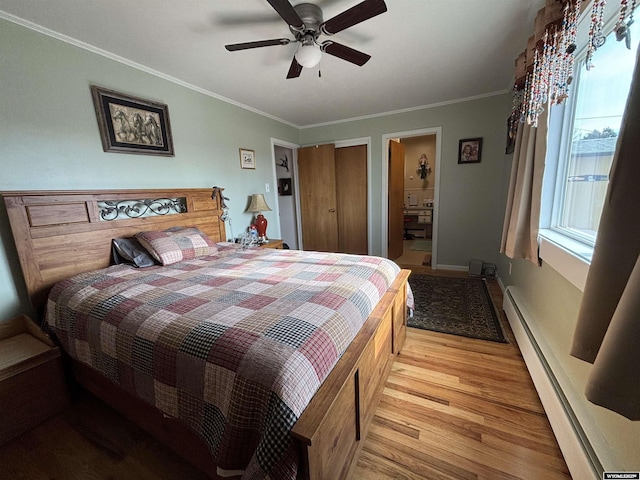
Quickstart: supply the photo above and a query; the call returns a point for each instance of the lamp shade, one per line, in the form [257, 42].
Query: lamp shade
[258, 204]
[308, 55]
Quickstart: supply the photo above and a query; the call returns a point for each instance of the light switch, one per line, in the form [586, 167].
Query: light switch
[266, 187]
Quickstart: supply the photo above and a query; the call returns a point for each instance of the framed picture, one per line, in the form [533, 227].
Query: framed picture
[132, 125]
[284, 186]
[247, 159]
[470, 150]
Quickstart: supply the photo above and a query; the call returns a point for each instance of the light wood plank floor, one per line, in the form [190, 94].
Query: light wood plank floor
[459, 408]
[453, 408]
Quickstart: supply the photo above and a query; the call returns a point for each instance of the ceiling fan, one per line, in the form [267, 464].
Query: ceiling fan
[306, 24]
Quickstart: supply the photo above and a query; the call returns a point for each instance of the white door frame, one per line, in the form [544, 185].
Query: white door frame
[437, 131]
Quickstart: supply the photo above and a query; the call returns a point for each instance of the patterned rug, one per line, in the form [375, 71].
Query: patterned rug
[460, 306]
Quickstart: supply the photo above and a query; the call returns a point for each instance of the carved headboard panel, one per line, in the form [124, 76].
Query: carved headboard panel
[62, 233]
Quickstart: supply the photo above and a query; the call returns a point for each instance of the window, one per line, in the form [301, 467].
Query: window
[591, 123]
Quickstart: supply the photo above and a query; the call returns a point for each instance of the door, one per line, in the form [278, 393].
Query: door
[317, 193]
[396, 199]
[351, 192]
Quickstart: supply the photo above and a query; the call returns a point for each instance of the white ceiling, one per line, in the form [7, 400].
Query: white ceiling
[424, 52]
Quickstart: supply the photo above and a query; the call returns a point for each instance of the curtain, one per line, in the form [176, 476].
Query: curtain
[608, 330]
[522, 216]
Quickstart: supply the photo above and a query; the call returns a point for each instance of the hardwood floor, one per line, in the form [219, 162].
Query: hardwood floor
[459, 408]
[91, 441]
[453, 408]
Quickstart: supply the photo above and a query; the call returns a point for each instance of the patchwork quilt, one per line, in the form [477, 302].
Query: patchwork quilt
[233, 344]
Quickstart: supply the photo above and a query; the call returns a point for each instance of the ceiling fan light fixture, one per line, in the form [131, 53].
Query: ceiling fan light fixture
[308, 55]
[307, 25]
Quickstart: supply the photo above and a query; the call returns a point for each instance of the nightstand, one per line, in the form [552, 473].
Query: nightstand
[276, 243]
[32, 387]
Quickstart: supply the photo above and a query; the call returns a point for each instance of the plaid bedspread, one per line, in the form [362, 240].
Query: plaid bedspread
[234, 344]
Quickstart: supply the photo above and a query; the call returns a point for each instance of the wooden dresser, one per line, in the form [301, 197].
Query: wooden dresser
[32, 387]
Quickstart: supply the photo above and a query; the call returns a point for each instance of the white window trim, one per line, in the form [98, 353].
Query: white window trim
[563, 253]
[568, 257]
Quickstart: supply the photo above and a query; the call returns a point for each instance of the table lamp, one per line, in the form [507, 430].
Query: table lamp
[259, 205]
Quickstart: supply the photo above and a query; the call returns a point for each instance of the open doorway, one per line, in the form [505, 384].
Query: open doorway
[284, 166]
[418, 195]
[412, 181]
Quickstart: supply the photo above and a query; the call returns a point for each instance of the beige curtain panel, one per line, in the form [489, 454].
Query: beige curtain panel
[608, 329]
[522, 216]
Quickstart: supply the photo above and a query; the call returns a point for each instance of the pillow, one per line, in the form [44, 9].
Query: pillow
[129, 251]
[172, 246]
[177, 229]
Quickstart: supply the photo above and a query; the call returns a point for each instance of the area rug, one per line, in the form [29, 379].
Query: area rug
[460, 306]
[421, 245]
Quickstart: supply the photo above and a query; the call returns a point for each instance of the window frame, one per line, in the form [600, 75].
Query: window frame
[564, 250]
[564, 158]
[568, 255]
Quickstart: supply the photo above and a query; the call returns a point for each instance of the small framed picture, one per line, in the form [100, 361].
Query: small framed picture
[284, 186]
[247, 159]
[470, 150]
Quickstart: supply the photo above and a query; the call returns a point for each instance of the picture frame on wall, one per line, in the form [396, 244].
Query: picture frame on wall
[247, 159]
[470, 150]
[129, 124]
[285, 186]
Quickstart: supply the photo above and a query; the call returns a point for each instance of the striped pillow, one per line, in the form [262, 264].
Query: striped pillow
[172, 246]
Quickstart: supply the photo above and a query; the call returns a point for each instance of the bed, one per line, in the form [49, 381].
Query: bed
[64, 244]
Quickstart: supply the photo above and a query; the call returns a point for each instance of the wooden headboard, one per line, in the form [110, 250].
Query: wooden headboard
[62, 233]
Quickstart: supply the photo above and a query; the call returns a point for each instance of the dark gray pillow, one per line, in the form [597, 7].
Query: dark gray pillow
[129, 251]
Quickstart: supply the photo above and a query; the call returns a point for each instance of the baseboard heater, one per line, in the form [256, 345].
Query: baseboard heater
[574, 444]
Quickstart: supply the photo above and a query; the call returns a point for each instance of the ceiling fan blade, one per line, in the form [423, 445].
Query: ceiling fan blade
[236, 18]
[345, 53]
[262, 43]
[295, 69]
[288, 14]
[356, 14]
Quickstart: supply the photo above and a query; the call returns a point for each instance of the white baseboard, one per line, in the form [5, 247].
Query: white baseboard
[458, 268]
[574, 445]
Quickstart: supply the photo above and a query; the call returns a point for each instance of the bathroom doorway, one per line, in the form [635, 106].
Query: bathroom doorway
[419, 185]
[419, 191]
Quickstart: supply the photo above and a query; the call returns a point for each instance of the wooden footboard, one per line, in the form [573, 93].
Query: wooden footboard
[332, 427]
